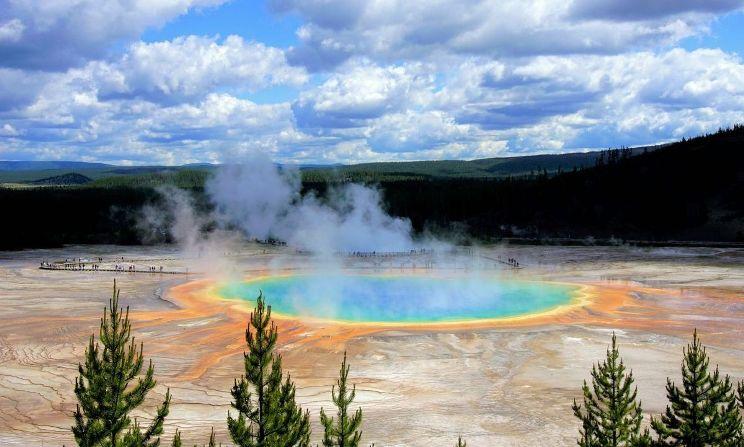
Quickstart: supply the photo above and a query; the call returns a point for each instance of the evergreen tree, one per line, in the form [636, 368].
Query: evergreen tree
[212, 441]
[176, 440]
[730, 431]
[460, 442]
[740, 398]
[106, 392]
[703, 411]
[587, 437]
[344, 430]
[267, 413]
[610, 416]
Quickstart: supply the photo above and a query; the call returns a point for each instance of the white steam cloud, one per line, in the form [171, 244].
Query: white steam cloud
[265, 201]
[179, 217]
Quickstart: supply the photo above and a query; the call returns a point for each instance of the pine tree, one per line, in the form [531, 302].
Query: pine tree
[460, 442]
[267, 413]
[587, 437]
[703, 411]
[176, 439]
[105, 390]
[610, 416]
[730, 431]
[740, 399]
[344, 430]
[212, 441]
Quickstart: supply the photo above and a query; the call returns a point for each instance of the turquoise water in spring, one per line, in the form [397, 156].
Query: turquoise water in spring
[401, 299]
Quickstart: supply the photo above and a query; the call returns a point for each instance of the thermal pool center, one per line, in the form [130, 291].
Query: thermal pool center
[398, 298]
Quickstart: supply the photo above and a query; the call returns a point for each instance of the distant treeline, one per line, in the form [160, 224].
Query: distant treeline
[184, 178]
[52, 216]
[689, 190]
[76, 173]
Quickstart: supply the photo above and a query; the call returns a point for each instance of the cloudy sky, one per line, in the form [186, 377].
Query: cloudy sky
[326, 81]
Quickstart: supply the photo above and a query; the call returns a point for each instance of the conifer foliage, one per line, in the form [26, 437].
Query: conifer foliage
[177, 440]
[703, 412]
[610, 415]
[267, 413]
[178, 443]
[460, 442]
[212, 440]
[106, 389]
[343, 431]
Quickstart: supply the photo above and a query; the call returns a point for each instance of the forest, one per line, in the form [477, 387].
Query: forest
[690, 191]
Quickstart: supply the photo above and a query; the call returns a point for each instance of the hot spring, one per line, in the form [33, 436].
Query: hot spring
[386, 298]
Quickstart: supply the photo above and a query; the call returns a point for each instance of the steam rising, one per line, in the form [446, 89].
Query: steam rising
[265, 201]
[256, 199]
[186, 226]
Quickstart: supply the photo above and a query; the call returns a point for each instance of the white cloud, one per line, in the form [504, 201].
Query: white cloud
[184, 69]
[69, 116]
[389, 30]
[643, 9]
[58, 34]
[416, 131]
[19, 88]
[191, 66]
[218, 116]
[586, 93]
[360, 91]
[405, 80]
[479, 108]
[11, 31]
[8, 131]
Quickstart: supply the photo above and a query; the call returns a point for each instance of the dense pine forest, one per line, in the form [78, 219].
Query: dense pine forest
[692, 190]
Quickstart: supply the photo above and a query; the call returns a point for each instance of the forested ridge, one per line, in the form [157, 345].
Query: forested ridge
[691, 190]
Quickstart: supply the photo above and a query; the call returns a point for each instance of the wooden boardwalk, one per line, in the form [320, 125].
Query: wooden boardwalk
[118, 265]
[154, 272]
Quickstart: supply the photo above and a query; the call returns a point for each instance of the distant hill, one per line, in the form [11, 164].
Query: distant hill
[71, 178]
[180, 178]
[31, 172]
[689, 190]
[481, 168]
[95, 171]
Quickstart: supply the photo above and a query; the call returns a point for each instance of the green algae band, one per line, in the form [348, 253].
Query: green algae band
[402, 299]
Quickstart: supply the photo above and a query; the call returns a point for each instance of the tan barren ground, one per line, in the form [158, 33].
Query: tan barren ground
[497, 384]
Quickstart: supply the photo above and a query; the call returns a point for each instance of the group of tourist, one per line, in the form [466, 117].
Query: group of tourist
[80, 265]
[511, 261]
[389, 254]
[122, 267]
[85, 264]
[133, 268]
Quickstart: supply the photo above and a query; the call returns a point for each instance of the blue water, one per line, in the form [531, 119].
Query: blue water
[405, 299]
